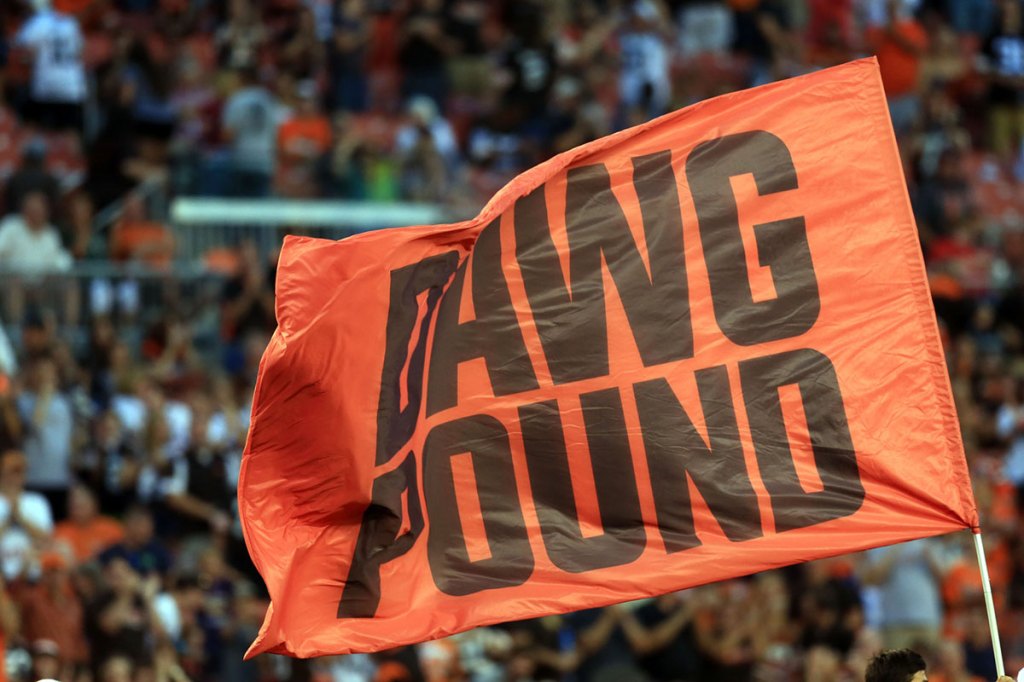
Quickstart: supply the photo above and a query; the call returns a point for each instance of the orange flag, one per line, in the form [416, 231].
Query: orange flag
[689, 351]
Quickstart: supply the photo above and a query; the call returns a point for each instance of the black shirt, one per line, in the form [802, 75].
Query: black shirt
[678, 660]
[1006, 55]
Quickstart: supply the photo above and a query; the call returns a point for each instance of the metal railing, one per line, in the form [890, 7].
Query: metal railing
[133, 294]
[202, 225]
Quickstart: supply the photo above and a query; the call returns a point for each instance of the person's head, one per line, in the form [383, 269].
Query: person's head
[896, 665]
[306, 98]
[106, 429]
[45, 659]
[55, 567]
[82, 506]
[33, 154]
[116, 669]
[188, 594]
[248, 74]
[35, 211]
[134, 208]
[12, 471]
[422, 111]
[120, 577]
[44, 374]
[138, 526]
[1011, 16]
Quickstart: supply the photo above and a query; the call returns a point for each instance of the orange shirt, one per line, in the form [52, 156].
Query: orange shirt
[298, 136]
[899, 66]
[89, 540]
[143, 240]
[59, 618]
[71, 6]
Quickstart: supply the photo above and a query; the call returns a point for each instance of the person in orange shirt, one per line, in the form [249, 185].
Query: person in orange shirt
[899, 45]
[51, 610]
[136, 238]
[86, 531]
[303, 141]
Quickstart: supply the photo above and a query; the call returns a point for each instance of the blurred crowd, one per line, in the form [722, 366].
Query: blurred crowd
[122, 416]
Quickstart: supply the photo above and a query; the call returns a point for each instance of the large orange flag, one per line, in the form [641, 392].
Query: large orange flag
[689, 351]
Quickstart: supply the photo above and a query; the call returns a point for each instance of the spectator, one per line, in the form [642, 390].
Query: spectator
[85, 531]
[604, 651]
[136, 238]
[139, 549]
[468, 67]
[200, 488]
[423, 48]
[529, 64]
[303, 139]
[644, 77]
[661, 635]
[121, 619]
[32, 176]
[54, 43]
[899, 44]
[248, 300]
[241, 39]
[28, 242]
[302, 53]
[909, 601]
[48, 424]
[428, 152]
[1004, 63]
[176, 608]
[250, 122]
[347, 55]
[52, 616]
[347, 162]
[109, 464]
[25, 517]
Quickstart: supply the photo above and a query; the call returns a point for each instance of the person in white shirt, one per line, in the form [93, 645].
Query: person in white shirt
[48, 424]
[31, 249]
[29, 244]
[251, 117]
[643, 45]
[54, 43]
[26, 520]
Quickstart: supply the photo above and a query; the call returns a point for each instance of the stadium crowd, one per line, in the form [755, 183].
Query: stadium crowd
[122, 418]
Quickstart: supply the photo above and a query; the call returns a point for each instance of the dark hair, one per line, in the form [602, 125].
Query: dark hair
[894, 666]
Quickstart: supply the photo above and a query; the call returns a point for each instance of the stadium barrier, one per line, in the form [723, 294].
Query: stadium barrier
[134, 295]
[203, 227]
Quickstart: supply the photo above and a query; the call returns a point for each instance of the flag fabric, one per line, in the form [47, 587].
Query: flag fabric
[689, 351]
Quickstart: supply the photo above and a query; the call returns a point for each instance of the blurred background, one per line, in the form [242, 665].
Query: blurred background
[154, 152]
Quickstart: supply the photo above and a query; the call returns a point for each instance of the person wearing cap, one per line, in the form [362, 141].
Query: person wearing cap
[46, 660]
[51, 613]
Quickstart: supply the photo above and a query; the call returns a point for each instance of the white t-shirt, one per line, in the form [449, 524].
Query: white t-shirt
[168, 613]
[441, 133]
[31, 251]
[645, 61]
[15, 543]
[58, 72]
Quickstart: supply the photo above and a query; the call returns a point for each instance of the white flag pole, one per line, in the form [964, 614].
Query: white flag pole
[990, 607]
